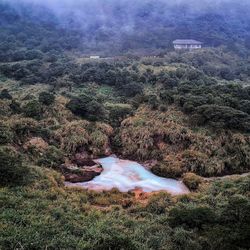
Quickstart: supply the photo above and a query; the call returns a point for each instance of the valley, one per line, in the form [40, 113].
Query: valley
[112, 139]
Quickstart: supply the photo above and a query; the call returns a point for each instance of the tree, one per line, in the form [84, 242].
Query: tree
[12, 170]
[223, 117]
[153, 101]
[46, 98]
[6, 135]
[132, 89]
[33, 109]
[118, 112]
[53, 157]
[15, 107]
[5, 94]
[86, 107]
[192, 181]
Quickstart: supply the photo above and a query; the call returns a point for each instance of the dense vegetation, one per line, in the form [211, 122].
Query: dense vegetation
[188, 111]
[111, 27]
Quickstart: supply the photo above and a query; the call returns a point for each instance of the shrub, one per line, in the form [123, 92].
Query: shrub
[6, 135]
[167, 169]
[53, 157]
[118, 112]
[33, 109]
[15, 107]
[73, 135]
[46, 98]
[163, 108]
[192, 181]
[132, 89]
[12, 170]
[193, 217]
[153, 102]
[86, 107]
[5, 94]
[158, 203]
[223, 117]
[23, 128]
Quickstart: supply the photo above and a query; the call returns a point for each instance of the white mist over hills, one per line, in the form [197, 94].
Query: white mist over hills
[194, 5]
[140, 24]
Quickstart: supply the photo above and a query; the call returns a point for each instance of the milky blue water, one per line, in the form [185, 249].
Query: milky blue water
[128, 175]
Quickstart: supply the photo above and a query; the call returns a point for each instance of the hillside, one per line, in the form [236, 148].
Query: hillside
[143, 27]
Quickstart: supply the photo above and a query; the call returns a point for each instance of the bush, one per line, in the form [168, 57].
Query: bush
[5, 94]
[132, 89]
[15, 107]
[23, 128]
[223, 117]
[158, 203]
[86, 107]
[53, 157]
[153, 102]
[118, 112]
[192, 181]
[163, 108]
[192, 217]
[12, 170]
[33, 109]
[167, 170]
[46, 98]
[6, 135]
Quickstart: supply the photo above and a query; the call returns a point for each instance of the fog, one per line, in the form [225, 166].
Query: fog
[104, 5]
[141, 24]
[124, 13]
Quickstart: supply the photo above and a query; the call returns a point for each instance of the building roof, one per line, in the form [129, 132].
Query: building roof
[186, 41]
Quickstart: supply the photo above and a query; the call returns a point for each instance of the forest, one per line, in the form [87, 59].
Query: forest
[185, 114]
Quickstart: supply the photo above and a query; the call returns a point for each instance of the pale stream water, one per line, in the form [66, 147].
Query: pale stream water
[128, 175]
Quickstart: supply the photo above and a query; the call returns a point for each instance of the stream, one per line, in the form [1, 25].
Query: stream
[128, 175]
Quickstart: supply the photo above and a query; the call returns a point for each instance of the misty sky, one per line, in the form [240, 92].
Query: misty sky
[99, 3]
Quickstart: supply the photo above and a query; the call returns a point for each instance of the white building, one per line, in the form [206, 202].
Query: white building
[94, 57]
[187, 44]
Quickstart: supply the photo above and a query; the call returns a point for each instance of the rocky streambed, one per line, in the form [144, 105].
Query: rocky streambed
[112, 172]
[81, 169]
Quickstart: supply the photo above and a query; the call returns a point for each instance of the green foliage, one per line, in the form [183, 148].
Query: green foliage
[52, 157]
[15, 107]
[5, 94]
[46, 98]
[24, 128]
[192, 217]
[12, 170]
[153, 101]
[132, 89]
[223, 117]
[92, 137]
[167, 170]
[118, 112]
[159, 203]
[56, 216]
[6, 135]
[86, 107]
[192, 181]
[33, 109]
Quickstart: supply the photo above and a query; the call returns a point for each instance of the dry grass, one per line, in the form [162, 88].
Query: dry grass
[170, 138]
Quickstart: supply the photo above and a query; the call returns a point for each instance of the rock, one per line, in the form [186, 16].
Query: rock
[83, 159]
[36, 142]
[73, 173]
